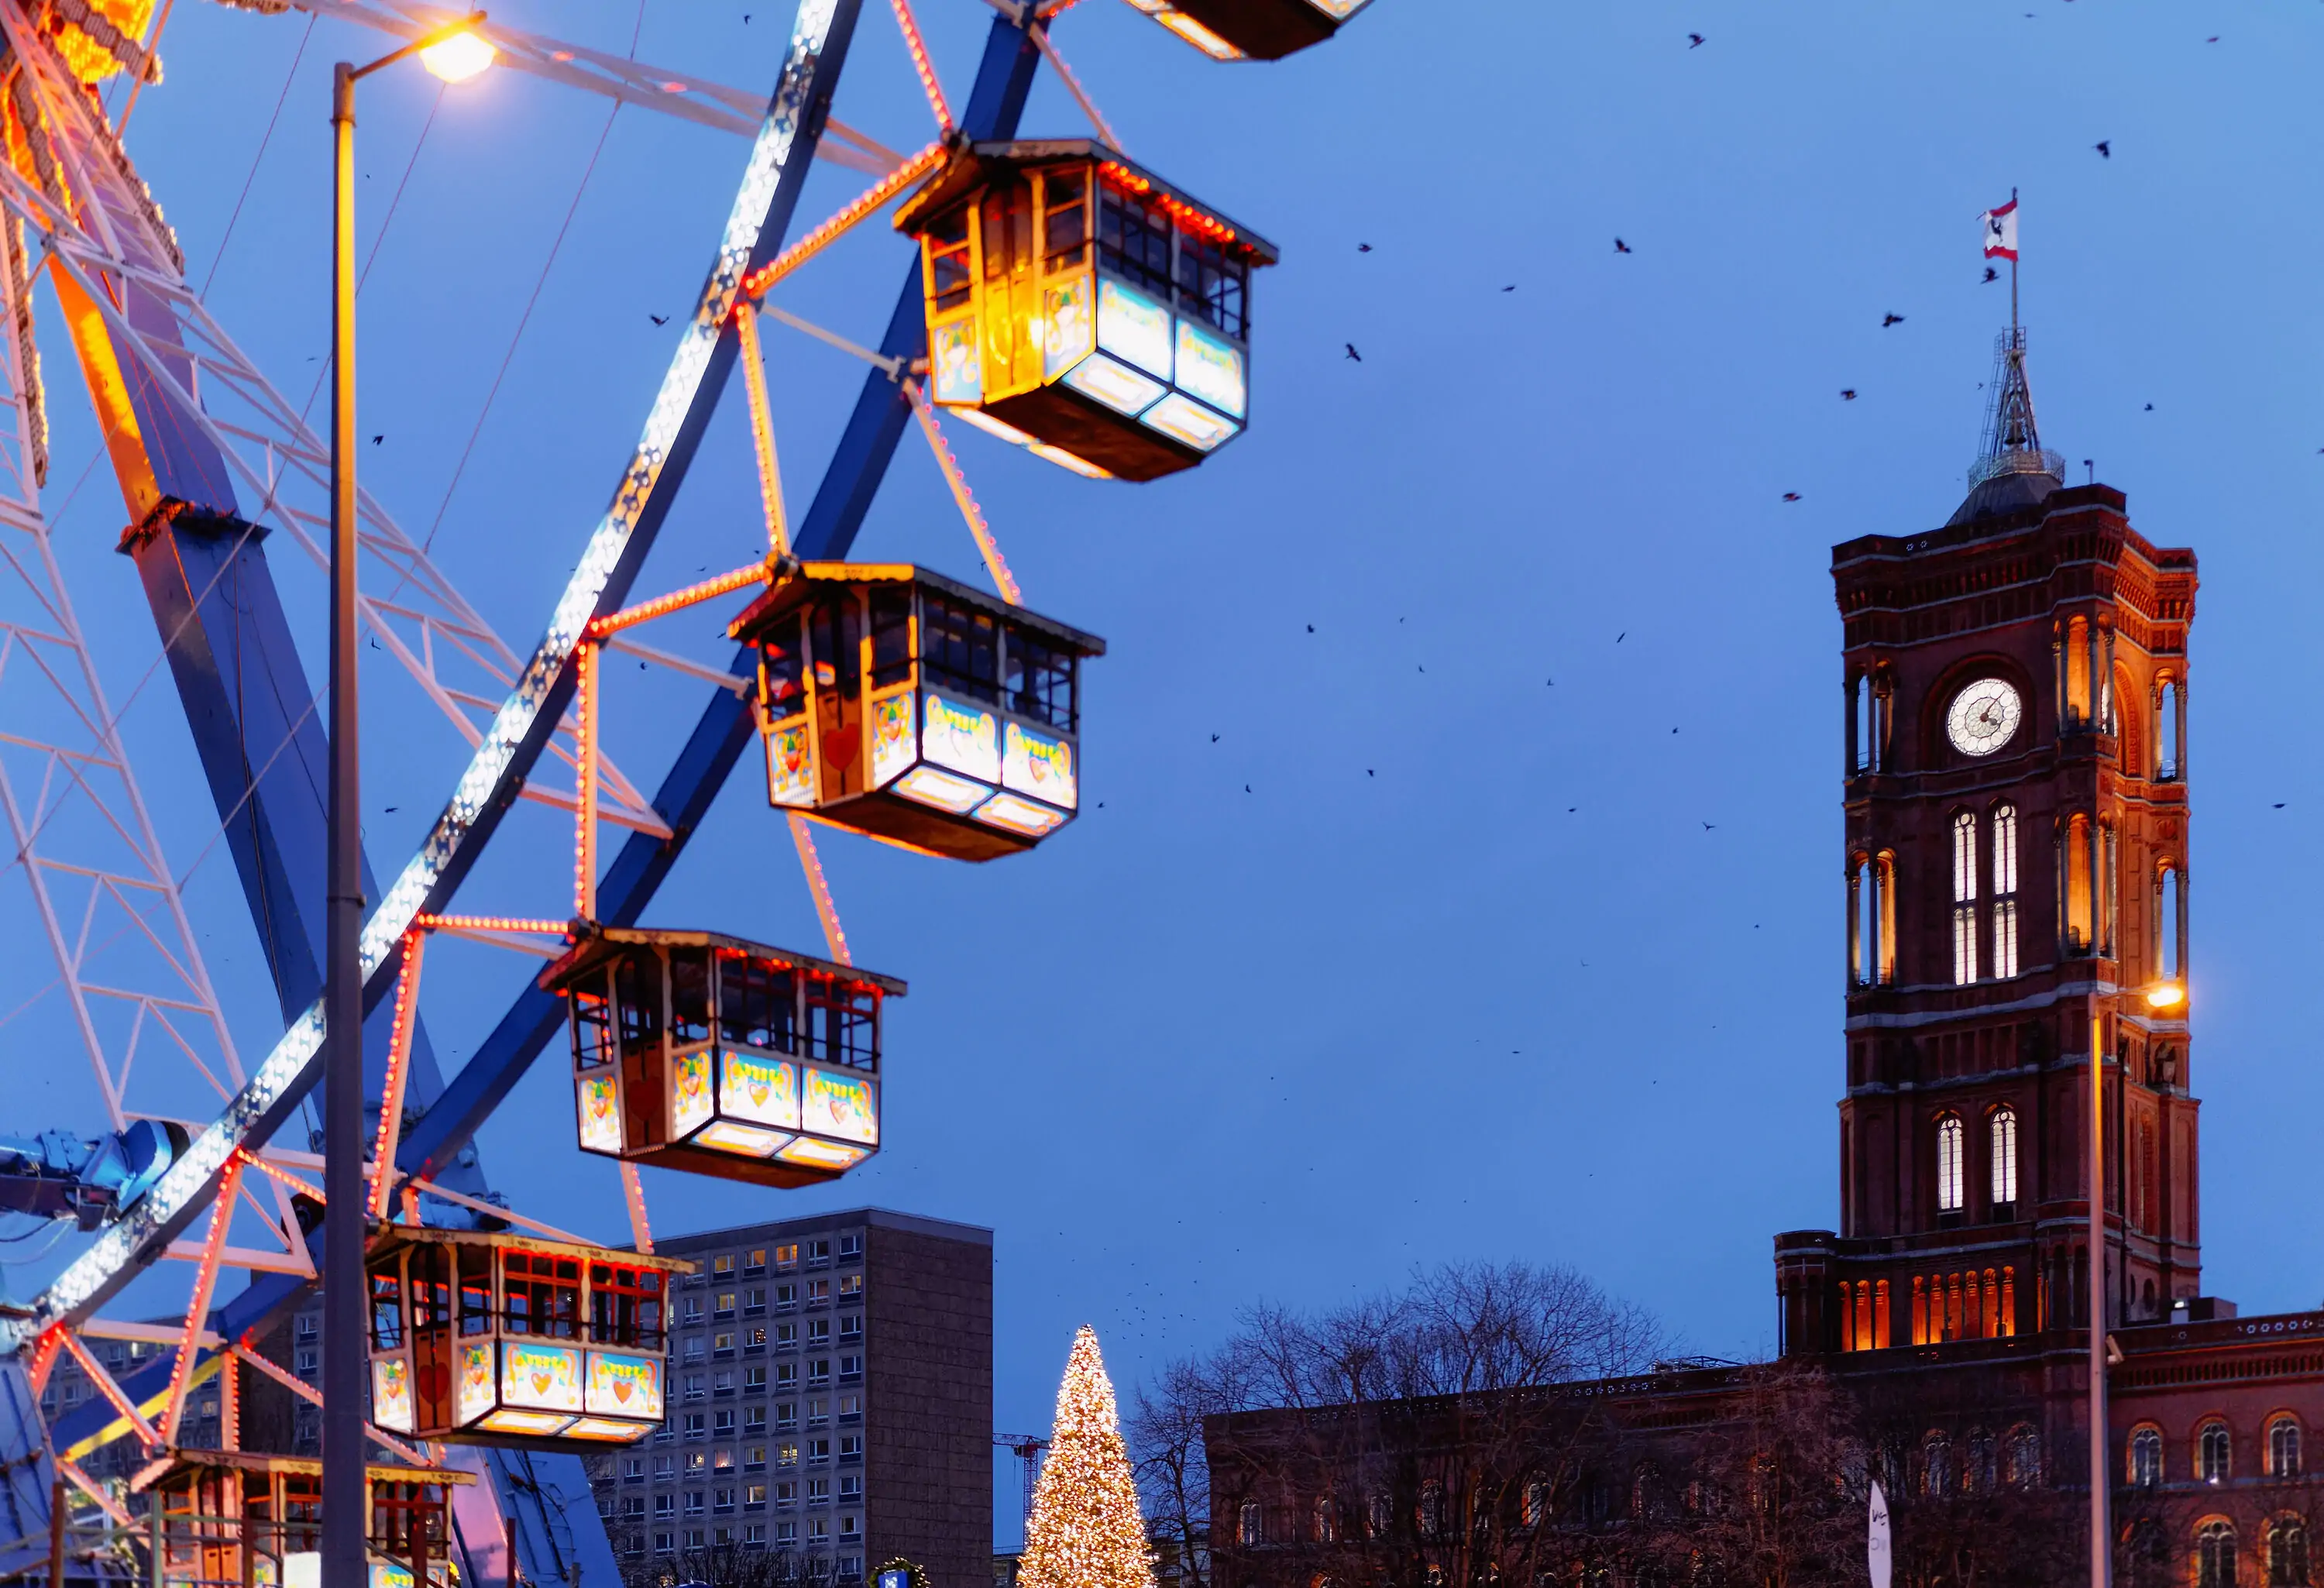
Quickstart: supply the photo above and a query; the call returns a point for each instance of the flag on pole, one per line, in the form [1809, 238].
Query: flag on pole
[2001, 231]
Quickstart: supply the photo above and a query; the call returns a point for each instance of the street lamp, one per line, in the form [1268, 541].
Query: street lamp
[455, 52]
[2166, 997]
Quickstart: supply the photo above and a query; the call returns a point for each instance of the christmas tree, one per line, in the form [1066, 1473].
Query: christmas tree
[1086, 1531]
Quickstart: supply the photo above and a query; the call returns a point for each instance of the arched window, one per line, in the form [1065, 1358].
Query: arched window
[2166, 731]
[1936, 1466]
[1964, 898]
[2215, 1554]
[2214, 1451]
[1953, 1177]
[2287, 1553]
[1872, 919]
[1535, 1509]
[1383, 1515]
[2005, 890]
[1864, 726]
[2077, 894]
[1325, 1523]
[2022, 1458]
[1983, 1467]
[2167, 911]
[1432, 1509]
[2002, 1130]
[2283, 1447]
[2146, 1458]
[1251, 1526]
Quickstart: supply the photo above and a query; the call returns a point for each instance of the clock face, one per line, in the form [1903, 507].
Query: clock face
[1984, 718]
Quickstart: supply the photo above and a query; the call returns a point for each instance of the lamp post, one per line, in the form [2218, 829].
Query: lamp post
[2163, 997]
[454, 52]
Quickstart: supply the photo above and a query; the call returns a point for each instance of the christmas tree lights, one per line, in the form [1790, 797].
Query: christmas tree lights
[1086, 1530]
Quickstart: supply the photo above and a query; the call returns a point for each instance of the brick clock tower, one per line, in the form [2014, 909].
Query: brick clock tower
[2016, 863]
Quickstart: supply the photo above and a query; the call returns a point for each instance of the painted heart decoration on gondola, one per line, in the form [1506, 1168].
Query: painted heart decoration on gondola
[432, 1378]
[541, 1380]
[622, 1390]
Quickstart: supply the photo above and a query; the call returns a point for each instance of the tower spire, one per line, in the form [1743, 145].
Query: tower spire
[2012, 440]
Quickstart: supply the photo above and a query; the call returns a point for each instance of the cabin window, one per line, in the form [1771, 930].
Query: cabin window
[429, 1293]
[758, 1004]
[834, 627]
[948, 268]
[1211, 283]
[625, 1307]
[544, 1293]
[960, 647]
[1039, 680]
[1008, 229]
[1133, 239]
[477, 1294]
[386, 1311]
[781, 677]
[1065, 227]
[689, 997]
[891, 634]
[843, 1021]
[637, 989]
[1953, 1182]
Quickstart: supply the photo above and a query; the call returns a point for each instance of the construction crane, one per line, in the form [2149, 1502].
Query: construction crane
[1030, 1449]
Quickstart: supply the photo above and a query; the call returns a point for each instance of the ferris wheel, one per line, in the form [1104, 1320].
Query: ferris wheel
[1061, 297]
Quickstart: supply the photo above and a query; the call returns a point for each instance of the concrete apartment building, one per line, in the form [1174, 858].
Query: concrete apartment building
[830, 1396]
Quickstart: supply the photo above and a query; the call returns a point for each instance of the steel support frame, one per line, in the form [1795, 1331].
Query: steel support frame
[794, 122]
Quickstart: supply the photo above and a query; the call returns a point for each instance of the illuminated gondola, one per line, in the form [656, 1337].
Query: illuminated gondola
[231, 1516]
[1247, 30]
[906, 706]
[1080, 305]
[484, 1338]
[704, 1053]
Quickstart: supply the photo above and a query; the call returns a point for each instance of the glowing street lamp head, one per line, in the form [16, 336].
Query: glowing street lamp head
[457, 57]
[2166, 995]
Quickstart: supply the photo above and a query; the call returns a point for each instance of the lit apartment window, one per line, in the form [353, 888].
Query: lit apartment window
[722, 1266]
[754, 1497]
[755, 1261]
[787, 1257]
[850, 1285]
[722, 1461]
[723, 1304]
[1951, 1177]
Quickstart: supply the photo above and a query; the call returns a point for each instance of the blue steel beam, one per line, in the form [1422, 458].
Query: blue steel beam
[1003, 79]
[801, 104]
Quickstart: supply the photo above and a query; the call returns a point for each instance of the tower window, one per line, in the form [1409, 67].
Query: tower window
[2287, 1553]
[1964, 898]
[1872, 920]
[2005, 1156]
[2166, 731]
[2005, 890]
[2167, 910]
[1952, 1181]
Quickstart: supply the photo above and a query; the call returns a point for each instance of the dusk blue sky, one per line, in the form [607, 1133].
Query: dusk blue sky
[1403, 940]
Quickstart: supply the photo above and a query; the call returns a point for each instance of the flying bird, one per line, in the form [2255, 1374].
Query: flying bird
[1215, 738]
[2105, 146]
[1848, 393]
[1311, 628]
[1694, 41]
[1621, 637]
[1246, 787]
[1363, 247]
[1370, 773]
[1353, 354]
[660, 319]
[1992, 275]
[1510, 288]
[1710, 826]
[2150, 407]
[375, 440]
[2278, 805]
[1891, 319]
[1791, 495]
[1620, 246]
